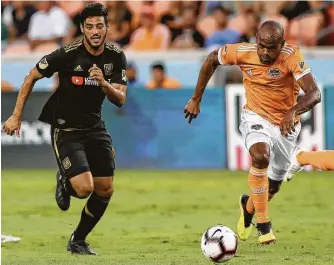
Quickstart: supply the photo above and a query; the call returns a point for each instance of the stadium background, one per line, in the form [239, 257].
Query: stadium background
[157, 216]
[149, 131]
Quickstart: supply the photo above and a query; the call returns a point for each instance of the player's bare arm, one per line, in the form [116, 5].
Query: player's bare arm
[311, 97]
[209, 66]
[116, 93]
[13, 124]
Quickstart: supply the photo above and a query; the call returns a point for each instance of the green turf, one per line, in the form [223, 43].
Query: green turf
[157, 218]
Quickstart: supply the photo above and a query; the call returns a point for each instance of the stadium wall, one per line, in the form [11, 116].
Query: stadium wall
[150, 131]
[182, 65]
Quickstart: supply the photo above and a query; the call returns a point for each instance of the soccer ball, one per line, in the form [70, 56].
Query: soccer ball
[219, 243]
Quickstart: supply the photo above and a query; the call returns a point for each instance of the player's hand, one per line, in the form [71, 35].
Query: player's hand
[12, 125]
[287, 125]
[96, 74]
[192, 109]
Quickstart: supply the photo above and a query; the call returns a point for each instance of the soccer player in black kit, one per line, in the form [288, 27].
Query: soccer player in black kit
[89, 70]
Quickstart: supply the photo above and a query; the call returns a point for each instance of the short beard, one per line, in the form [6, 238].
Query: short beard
[95, 47]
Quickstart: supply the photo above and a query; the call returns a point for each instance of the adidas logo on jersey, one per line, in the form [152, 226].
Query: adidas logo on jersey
[78, 68]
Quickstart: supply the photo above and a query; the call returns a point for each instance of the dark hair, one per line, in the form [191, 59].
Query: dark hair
[158, 66]
[93, 10]
[221, 9]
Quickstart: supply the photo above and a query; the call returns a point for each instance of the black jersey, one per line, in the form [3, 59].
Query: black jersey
[77, 102]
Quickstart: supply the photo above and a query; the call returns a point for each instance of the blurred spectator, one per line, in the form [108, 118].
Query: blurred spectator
[131, 74]
[150, 36]
[195, 5]
[160, 80]
[292, 9]
[19, 19]
[4, 32]
[223, 35]
[188, 36]
[6, 12]
[49, 24]
[119, 18]
[172, 19]
[252, 24]
[6, 87]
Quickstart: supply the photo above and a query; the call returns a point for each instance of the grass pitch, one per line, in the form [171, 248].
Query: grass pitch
[157, 218]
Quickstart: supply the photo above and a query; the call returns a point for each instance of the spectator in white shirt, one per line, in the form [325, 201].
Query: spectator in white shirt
[49, 24]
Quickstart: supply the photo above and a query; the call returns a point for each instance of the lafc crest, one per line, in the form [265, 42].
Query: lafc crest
[108, 68]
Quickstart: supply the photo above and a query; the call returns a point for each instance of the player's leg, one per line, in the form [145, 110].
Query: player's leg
[100, 155]
[323, 160]
[74, 177]
[259, 186]
[257, 139]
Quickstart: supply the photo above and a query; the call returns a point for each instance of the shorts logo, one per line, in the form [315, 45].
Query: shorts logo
[77, 80]
[108, 68]
[274, 72]
[257, 127]
[43, 64]
[301, 65]
[66, 163]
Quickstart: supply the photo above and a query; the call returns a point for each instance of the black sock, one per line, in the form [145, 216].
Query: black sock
[90, 215]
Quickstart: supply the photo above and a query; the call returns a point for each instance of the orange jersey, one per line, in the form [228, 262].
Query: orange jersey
[270, 89]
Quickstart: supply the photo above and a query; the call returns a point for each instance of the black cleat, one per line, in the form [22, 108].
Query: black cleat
[63, 198]
[266, 234]
[79, 247]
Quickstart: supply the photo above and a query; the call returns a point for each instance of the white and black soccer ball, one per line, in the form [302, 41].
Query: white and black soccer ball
[219, 243]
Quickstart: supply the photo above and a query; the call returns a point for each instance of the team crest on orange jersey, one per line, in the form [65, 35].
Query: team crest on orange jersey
[301, 65]
[274, 72]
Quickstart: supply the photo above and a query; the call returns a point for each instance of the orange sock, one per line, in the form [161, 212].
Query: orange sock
[258, 182]
[318, 159]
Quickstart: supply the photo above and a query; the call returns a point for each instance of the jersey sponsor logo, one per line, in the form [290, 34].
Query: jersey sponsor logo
[90, 82]
[108, 68]
[78, 80]
[43, 64]
[78, 68]
[124, 75]
[301, 65]
[274, 72]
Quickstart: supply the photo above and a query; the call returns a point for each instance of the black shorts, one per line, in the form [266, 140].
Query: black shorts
[79, 151]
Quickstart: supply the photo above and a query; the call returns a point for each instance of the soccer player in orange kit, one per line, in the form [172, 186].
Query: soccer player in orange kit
[273, 73]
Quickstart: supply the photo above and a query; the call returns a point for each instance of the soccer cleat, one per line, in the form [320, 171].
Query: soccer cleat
[79, 247]
[63, 198]
[244, 227]
[295, 167]
[266, 234]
